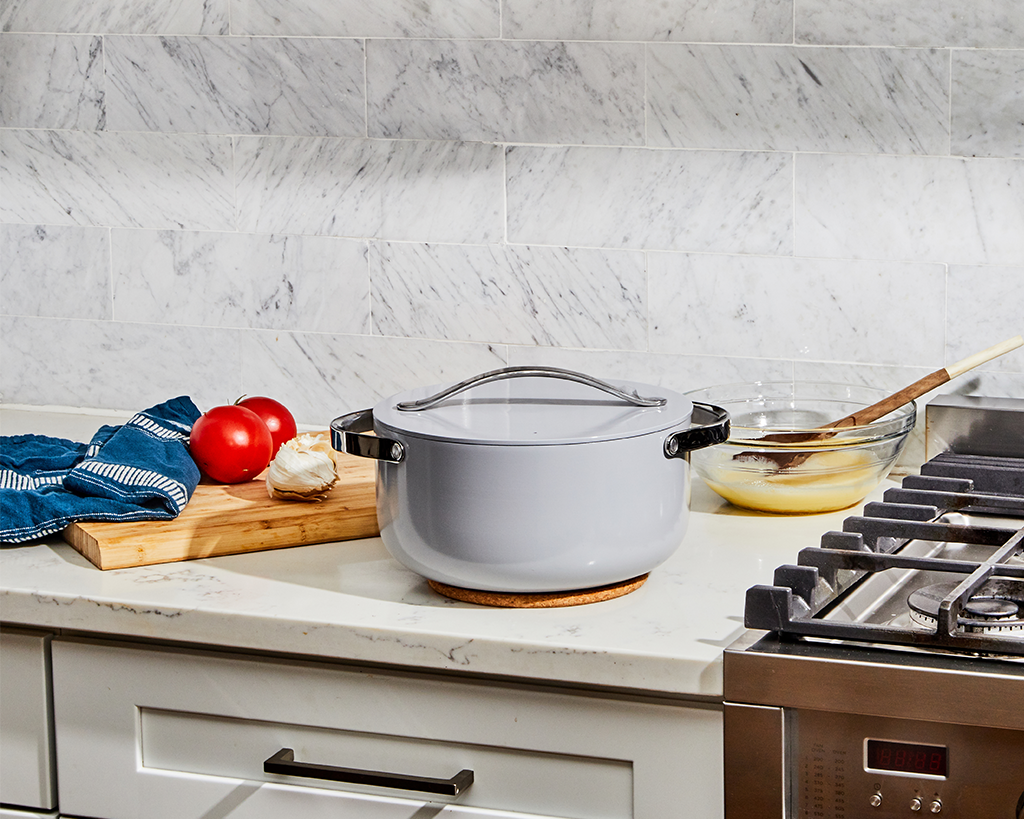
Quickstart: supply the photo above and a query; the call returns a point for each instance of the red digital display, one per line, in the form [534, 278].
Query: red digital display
[907, 758]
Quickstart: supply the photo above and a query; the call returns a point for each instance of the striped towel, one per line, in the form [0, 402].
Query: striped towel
[139, 471]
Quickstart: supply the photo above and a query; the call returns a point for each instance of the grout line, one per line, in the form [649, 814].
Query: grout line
[793, 209]
[949, 121]
[504, 192]
[647, 100]
[110, 271]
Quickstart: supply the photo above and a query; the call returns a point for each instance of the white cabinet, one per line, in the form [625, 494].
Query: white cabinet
[159, 733]
[26, 732]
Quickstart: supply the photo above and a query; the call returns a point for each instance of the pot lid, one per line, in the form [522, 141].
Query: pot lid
[532, 406]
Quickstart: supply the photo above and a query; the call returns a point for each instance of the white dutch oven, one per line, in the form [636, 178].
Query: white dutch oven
[532, 479]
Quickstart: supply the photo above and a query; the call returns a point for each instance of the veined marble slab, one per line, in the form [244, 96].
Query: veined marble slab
[910, 208]
[324, 376]
[785, 98]
[984, 306]
[581, 93]
[796, 308]
[55, 272]
[510, 294]
[989, 24]
[116, 16]
[420, 191]
[236, 85]
[116, 179]
[51, 81]
[988, 103]
[729, 21]
[239, 280]
[115, 365]
[650, 199]
[357, 18]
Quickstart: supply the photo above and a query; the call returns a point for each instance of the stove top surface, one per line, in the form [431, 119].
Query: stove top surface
[938, 565]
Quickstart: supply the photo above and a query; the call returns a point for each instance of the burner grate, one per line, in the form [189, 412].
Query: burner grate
[960, 520]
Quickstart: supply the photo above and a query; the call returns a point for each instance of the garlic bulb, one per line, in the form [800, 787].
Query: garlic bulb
[302, 470]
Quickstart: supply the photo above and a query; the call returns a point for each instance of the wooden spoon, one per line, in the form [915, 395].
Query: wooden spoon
[786, 460]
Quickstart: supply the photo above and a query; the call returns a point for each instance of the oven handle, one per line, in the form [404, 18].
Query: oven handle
[283, 762]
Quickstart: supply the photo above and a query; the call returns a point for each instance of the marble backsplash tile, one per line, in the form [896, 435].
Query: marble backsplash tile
[310, 283]
[795, 309]
[51, 81]
[357, 18]
[927, 23]
[116, 16]
[55, 272]
[415, 190]
[116, 365]
[783, 98]
[681, 373]
[910, 208]
[347, 199]
[988, 103]
[562, 93]
[985, 305]
[694, 21]
[116, 179]
[236, 85]
[665, 200]
[325, 376]
[510, 295]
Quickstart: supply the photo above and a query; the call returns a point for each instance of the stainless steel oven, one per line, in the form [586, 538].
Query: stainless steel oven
[885, 677]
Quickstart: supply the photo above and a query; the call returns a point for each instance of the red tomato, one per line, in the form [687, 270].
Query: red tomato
[275, 415]
[230, 444]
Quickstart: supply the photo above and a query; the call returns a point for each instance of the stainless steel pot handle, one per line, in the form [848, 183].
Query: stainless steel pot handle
[709, 425]
[528, 372]
[347, 436]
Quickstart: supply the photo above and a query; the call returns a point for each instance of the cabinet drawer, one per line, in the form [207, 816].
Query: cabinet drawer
[26, 733]
[155, 734]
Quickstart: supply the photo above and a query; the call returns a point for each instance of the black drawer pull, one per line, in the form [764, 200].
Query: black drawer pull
[283, 762]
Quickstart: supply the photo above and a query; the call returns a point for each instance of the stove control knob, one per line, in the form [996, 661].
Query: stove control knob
[936, 806]
[916, 804]
[876, 800]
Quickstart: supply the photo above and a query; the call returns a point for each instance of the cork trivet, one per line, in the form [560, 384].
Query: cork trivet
[539, 600]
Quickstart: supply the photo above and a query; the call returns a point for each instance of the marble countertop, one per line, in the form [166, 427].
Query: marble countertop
[352, 601]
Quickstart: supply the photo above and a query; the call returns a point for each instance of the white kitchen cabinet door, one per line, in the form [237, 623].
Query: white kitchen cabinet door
[11, 813]
[149, 733]
[26, 734]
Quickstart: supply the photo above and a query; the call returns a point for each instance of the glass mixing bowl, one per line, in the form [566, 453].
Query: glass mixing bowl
[755, 468]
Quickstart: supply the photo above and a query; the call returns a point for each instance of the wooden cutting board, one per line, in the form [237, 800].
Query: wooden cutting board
[229, 519]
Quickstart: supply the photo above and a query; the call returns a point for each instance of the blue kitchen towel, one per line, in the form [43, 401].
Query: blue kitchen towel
[139, 471]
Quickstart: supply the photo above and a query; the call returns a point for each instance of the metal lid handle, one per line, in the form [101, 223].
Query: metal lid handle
[529, 372]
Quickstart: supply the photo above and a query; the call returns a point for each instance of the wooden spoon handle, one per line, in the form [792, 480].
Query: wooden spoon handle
[926, 384]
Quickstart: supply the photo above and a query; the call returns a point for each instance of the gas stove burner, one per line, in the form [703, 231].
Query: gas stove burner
[988, 612]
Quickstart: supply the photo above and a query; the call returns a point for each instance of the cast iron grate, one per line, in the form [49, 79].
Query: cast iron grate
[882, 539]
